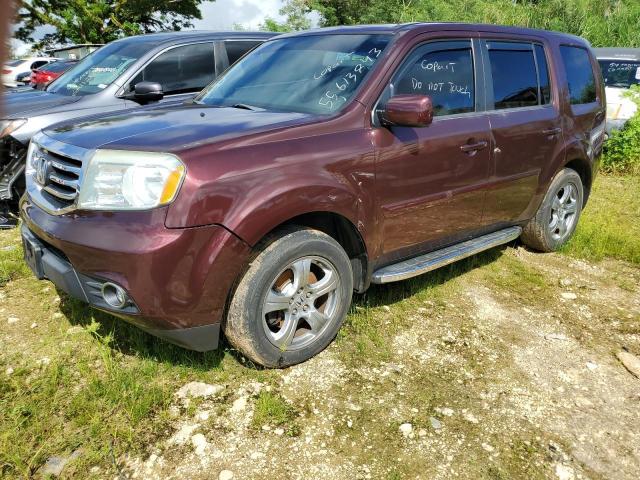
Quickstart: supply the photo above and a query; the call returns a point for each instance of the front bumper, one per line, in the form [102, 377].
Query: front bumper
[177, 280]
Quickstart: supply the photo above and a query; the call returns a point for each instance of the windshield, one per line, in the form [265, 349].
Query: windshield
[308, 74]
[14, 63]
[99, 69]
[55, 67]
[620, 73]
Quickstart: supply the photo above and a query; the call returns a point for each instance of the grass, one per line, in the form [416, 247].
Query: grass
[610, 225]
[272, 410]
[85, 381]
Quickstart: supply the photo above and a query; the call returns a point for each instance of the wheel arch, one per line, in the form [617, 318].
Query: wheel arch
[583, 168]
[343, 231]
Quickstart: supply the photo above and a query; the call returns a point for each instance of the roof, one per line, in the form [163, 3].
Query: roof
[614, 53]
[392, 29]
[71, 47]
[181, 36]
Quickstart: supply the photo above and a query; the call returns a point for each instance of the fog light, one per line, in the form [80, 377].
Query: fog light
[114, 295]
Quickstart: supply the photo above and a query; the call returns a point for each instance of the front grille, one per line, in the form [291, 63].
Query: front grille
[62, 178]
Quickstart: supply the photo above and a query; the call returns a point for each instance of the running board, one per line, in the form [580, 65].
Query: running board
[439, 258]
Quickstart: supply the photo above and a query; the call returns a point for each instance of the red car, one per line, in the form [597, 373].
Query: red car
[318, 164]
[46, 74]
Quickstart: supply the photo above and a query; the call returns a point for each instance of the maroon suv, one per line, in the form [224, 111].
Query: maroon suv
[321, 162]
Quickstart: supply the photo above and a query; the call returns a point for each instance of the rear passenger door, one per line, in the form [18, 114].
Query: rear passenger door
[524, 114]
[431, 180]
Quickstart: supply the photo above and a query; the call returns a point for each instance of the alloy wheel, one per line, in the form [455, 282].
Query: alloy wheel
[301, 303]
[564, 212]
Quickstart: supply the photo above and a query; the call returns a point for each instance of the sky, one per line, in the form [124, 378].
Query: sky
[218, 15]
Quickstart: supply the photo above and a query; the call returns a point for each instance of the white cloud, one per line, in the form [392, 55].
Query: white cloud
[224, 14]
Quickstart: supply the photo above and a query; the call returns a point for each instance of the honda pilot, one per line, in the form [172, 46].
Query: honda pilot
[320, 163]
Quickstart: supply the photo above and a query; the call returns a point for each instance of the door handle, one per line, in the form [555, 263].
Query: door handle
[474, 147]
[552, 132]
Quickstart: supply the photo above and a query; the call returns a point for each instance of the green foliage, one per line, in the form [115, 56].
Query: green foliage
[602, 22]
[100, 21]
[622, 150]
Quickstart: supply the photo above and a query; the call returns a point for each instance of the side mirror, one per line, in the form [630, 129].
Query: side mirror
[408, 111]
[145, 92]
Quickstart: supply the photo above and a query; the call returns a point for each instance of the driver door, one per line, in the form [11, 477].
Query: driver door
[431, 181]
[182, 71]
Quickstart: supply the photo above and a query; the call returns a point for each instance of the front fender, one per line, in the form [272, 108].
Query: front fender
[251, 190]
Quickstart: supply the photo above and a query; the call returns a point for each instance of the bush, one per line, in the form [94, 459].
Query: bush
[622, 150]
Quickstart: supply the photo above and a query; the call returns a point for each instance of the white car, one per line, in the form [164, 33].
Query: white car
[620, 70]
[13, 68]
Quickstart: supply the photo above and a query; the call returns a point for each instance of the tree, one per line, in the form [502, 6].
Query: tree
[100, 21]
[602, 22]
[296, 13]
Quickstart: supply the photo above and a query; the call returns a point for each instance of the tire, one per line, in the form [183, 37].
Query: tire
[301, 317]
[557, 218]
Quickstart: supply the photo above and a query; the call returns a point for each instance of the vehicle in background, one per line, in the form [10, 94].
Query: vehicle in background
[23, 79]
[320, 163]
[620, 70]
[13, 68]
[125, 74]
[43, 76]
[74, 52]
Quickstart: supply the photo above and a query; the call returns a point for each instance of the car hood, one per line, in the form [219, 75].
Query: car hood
[26, 104]
[171, 128]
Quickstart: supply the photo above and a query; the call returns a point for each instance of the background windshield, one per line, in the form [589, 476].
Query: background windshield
[620, 73]
[98, 70]
[55, 67]
[310, 74]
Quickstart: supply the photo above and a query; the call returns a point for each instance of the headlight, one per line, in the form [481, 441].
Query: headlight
[129, 180]
[7, 127]
[30, 168]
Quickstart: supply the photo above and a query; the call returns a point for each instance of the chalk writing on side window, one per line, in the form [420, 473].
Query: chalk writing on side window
[440, 87]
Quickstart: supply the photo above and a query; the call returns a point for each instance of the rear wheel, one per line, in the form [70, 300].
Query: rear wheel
[292, 300]
[557, 218]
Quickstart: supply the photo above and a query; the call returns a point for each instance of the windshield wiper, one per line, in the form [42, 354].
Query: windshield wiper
[246, 106]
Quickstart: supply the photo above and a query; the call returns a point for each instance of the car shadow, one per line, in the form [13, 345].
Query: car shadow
[123, 337]
[130, 340]
[389, 294]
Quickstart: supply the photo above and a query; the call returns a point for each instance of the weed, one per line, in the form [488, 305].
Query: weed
[272, 409]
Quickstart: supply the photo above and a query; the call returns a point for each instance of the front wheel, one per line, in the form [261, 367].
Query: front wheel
[557, 218]
[292, 300]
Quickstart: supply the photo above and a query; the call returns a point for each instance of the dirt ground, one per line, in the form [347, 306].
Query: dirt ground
[506, 369]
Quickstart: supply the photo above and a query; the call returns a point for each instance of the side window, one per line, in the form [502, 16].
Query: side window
[515, 78]
[180, 70]
[582, 83]
[236, 49]
[38, 64]
[543, 75]
[443, 71]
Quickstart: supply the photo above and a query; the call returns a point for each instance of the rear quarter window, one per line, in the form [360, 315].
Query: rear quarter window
[582, 82]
